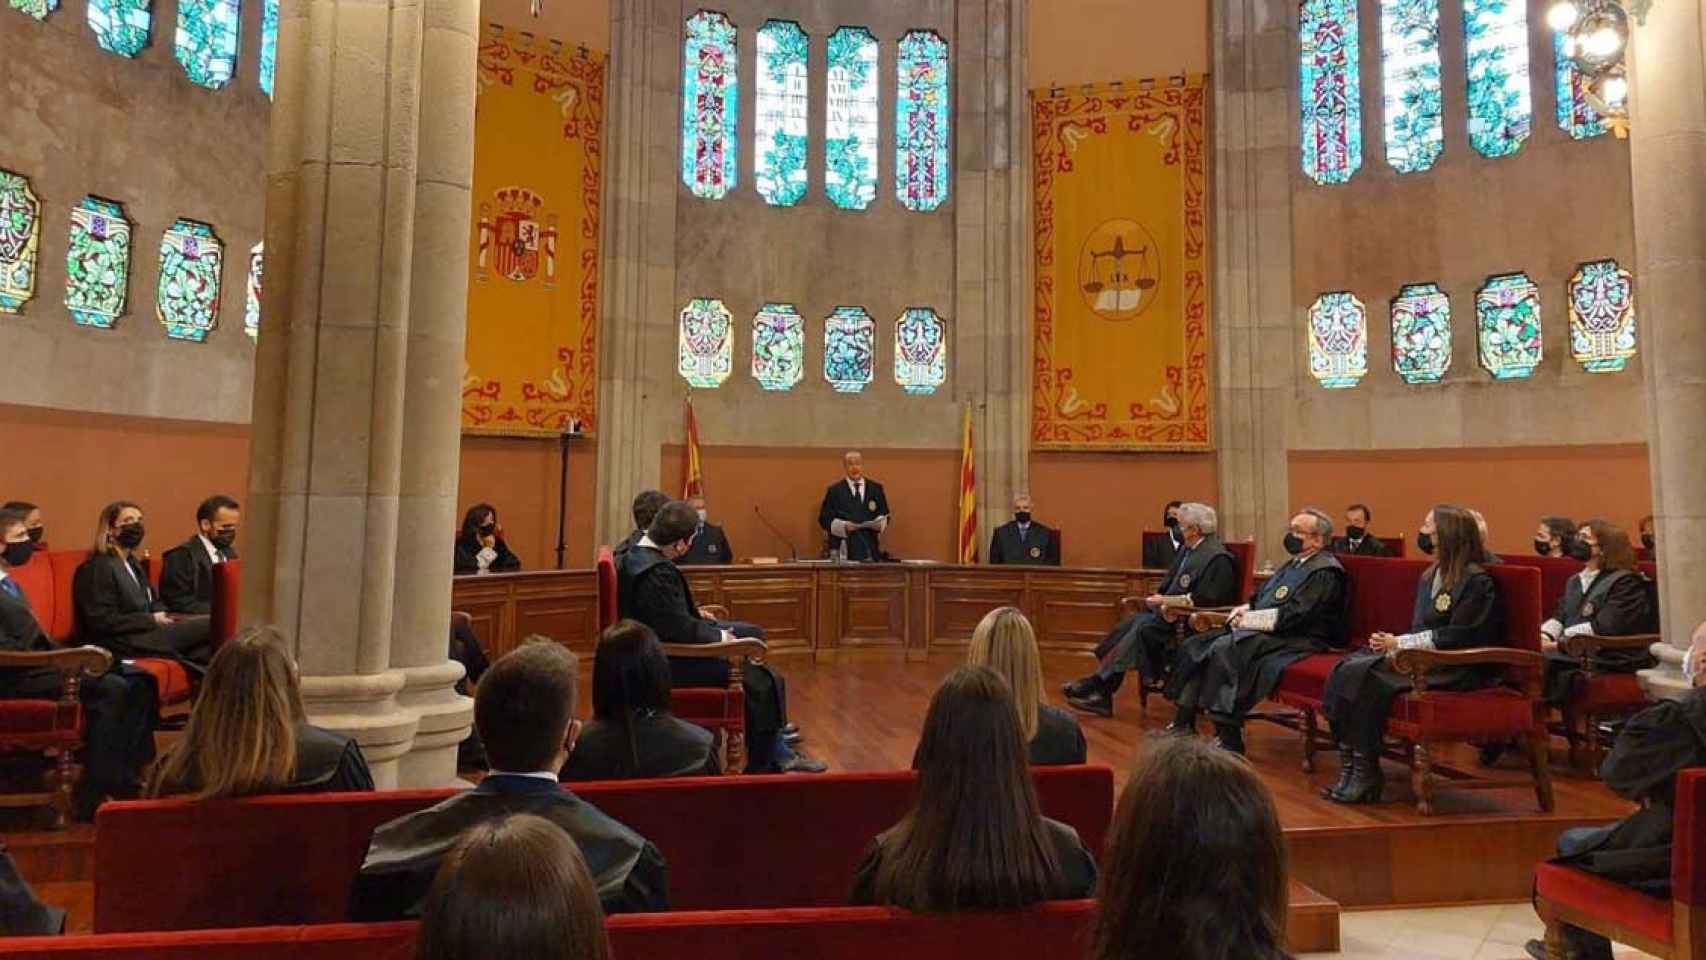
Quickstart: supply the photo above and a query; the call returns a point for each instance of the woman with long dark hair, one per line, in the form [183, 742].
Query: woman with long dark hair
[975, 838]
[632, 734]
[117, 608]
[479, 546]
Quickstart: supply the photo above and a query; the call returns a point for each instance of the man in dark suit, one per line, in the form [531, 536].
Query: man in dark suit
[524, 710]
[186, 580]
[1023, 540]
[647, 503]
[710, 544]
[1357, 539]
[855, 513]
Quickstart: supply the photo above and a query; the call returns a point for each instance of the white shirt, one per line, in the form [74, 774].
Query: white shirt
[212, 551]
[841, 528]
[646, 541]
[550, 775]
[483, 559]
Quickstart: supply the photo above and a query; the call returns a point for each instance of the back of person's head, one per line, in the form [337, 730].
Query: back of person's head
[647, 503]
[1195, 867]
[974, 838]
[1616, 552]
[1459, 543]
[675, 522]
[513, 888]
[630, 678]
[1004, 642]
[241, 736]
[104, 526]
[10, 517]
[477, 516]
[524, 704]
[209, 508]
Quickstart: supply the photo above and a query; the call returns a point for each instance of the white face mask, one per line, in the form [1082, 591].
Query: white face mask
[701, 516]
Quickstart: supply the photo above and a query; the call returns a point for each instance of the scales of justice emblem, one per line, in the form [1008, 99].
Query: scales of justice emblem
[514, 240]
[1119, 270]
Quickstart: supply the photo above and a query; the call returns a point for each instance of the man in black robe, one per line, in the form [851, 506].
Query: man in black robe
[647, 503]
[1357, 539]
[710, 543]
[855, 513]
[1023, 541]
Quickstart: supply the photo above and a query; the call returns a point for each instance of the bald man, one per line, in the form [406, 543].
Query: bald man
[855, 513]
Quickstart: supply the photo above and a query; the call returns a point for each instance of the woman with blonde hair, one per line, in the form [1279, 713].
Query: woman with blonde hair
[117, 609]
[249, 733]
[1005, 643]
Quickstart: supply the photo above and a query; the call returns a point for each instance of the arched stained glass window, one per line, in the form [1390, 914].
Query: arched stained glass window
[1409, 58]
[849, 349]
[920, 351]
[778, 347]
[187, 303]
[269, 45]
[781, 121]
[121, 26]
[1338, 340]
[39, 9]
[207, 40]
[921, 121]
[850, 123]
[1507, 325]
[20, 241]
[1330, 88]
[710, 106]
[1501, 111]
[97, 262]
[252, 305]
[1421, 333]
[1602, 316]
[706, 355]
[1576, 116]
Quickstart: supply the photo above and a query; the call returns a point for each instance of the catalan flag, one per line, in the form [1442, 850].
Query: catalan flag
[693, 485]
[968, 496]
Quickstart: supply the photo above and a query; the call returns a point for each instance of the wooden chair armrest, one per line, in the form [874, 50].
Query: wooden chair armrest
[1130, 606]
[66, 660]
[1586, 646]
[714, 611]
[721, 650]
[461, 618]
[1415, 664]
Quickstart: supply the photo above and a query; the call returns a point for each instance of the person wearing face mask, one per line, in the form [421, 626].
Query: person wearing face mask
[1158, 551]
[1299, 611]
[1357, 539]
[1556, 537]
[33, 523]
[479, 548]
[1609, 598]
[710, 544]
[186, 580]
[651, 589]
[1023, 541]
[117, 609]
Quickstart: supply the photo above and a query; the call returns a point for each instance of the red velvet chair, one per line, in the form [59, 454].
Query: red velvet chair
[39, 738]
[227, 588]
[1674, 929]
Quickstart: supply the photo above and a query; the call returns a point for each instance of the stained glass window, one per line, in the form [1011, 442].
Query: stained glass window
[710, 106]
[121, 26]
[921, 114]
[1409, 58]
[707, 348]
[920, 351]
[20, 240]
[1507, 323]
[187, 303]
[1330, 88]
[1576, 116]
[1495, 37]
[207, 40]
[781, 113]
[1338, 340]
[778, 347]
[252, 304]
[1602, 316]
[97, 262]
[849, 349]
[269, 45]
[1421, 333]
[850, 127]
[38, 9]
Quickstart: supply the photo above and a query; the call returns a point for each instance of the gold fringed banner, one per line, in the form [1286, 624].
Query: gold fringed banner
[531, 364]
[1121, 359]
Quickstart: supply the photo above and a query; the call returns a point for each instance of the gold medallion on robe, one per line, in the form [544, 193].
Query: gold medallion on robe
[1184, 580]
[1036, 552]
[872, 506]
[1442, 603]
[1587, 609]
[1282, 592]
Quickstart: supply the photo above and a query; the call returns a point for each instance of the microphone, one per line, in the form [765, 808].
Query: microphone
[793, 553]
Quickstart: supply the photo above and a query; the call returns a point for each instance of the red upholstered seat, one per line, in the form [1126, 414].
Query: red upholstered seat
[227, 585]
[1608, 692]
[1651, 916]
[169, 676]
[32, 724]
[1444, 715]
[1307, 678]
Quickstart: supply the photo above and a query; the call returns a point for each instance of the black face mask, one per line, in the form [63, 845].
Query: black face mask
[1172, 523]
[223, 539]
[130, 536]
[1023, 516]
[1425, 543]
[36, 533]
[487, 529]
[1542, 547]
[1578, 550]
[18, 554]
[1293, 543]
[1356, 533]
[1647, 540]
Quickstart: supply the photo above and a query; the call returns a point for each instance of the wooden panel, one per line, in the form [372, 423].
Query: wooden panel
[957, 605]
[871, 607]
[571, 621]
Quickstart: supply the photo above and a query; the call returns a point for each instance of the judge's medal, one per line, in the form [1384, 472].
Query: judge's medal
[1283, 592]
[1036, 552]
[1442, 603]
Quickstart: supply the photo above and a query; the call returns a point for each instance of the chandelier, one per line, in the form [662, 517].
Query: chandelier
[1596, 42]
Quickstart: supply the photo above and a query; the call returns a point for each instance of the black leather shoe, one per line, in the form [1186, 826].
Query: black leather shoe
[800, 763]
[1097, 703]
[1177, 729]
[1347, 764]
[1229, 738]
[1082, 687]
[1536, 949]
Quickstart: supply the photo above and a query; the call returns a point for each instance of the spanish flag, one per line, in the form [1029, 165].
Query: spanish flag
[968, 496]
[694, 483]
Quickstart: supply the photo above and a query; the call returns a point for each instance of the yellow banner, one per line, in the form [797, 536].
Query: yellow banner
[531, 364]
[1121, 359]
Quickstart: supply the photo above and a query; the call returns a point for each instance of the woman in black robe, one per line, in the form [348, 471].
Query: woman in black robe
[1609, 598]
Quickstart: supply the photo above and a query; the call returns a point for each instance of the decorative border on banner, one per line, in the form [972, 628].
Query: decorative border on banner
[1090, 107]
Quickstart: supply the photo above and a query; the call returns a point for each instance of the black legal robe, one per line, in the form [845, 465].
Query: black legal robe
[710, 546]
[468, 552]
[328, 762]
[1619, 603]
[660, 744]
[1036, 545]
[1207, 573]
[1059, 740]
[1369, 546]
[839, 503]
[186, 579]
[115, 610]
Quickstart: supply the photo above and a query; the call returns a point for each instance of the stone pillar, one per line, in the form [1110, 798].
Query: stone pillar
[1667, 151]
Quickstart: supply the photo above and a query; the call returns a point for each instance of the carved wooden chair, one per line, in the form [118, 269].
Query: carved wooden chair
[1597, 696]
[50, 730]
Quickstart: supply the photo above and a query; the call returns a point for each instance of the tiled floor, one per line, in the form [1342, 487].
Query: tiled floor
[1447, 933]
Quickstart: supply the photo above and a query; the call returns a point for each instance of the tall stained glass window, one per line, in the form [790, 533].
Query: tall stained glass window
[20, 241]
[39, 9]
[1421, 333]
[920, 351]
[849, 349]
[269, 45]
[781, 113]
[710, 106]
[252, 304]
[921, 114]
[1507, 326]
[1501, 111]
[187, 302]
[1338, 340]
[778, 347]
[1576, 116]
[207, 40]
[1602, 316]
[706, 352]
[850, 123]
[97, 262]
[1409, 59]
[1330, 89]
[121, 26]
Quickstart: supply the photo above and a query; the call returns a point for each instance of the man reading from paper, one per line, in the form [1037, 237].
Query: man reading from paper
[855, 512]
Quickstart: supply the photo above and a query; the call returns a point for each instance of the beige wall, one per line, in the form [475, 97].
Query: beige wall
[1083, 41]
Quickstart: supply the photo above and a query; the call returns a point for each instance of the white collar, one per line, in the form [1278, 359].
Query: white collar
[550, 775]
[212, 551]
[854, 485]
[646, 541]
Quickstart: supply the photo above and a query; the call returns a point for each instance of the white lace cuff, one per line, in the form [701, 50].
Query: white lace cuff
[1552, 628]
[1263, 620]
[1416, 641]
[1579, 629]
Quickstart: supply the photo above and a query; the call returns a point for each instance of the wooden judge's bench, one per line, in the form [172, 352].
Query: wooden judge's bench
[824, 609]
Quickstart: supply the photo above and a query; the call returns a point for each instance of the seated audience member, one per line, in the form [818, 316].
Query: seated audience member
[1203, 573]
[1299, 611]
[513, 889]
[1555, 537]
[710, 543]
[1023, 541]
[1158, 554]
[524, 710]
[22, 914]
[647, 503]
[652, 590]
[119, 706]
[1457, 607]
[1195, 863]
[1425, 535]
[1357, 540]
[33, 522]
[465, 649]
[632, 734]
[479, 548]
[1004, 642]
[115, 606]
[975, 838]
[186, 580]
[1608, 598]
[1653, 747]
[249, 734]
[1649, 534]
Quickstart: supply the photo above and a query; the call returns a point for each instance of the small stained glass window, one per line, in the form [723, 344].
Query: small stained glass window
[1576, 116]
[710, 106]
[20, 241]
[1507, 324]
[269, 45]
[920, 351]
[1409, 57]
[781, 113]
[1338, 340]
[252, 304]
[97, 263]
[778, 347]
[1421, 333]
[187, 304]
[849, 349]
[39, 9]
[922, 110]
[850, 124]
[121, 26]
[207, 40]
[706, 354]
[1602, 316]
[1329, 80]
[1501, 111]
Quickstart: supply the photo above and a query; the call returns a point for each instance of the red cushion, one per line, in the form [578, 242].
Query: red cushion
[1245, 553]
[36, 580]
[31, 717]
[1382, 594]
[65, 566]
[1688, 849]
[1555, 574]
[708, 707]
[1494, 712]
[1648, 916]
[227, 586]
[169, 676]
[608, 605]
[1305, 682]
[1607, 692]
[341, 941]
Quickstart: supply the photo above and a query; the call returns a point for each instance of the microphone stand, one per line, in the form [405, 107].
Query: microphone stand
[793, 553]
[570, 433]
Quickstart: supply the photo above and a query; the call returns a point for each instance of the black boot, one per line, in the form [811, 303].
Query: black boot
[1347, 762]
[1083, 686]
[1366, 781]
[1095, 702]
[1229, 737]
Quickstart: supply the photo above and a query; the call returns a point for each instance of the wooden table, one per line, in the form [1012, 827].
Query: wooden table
[825, 609]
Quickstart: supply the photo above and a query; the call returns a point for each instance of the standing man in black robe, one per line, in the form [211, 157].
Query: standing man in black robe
[710, 543]
[855, 513]
[186, 580]
[1024, 541]
[1357, 539]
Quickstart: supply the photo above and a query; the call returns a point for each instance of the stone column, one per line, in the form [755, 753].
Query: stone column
[1667, 151]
